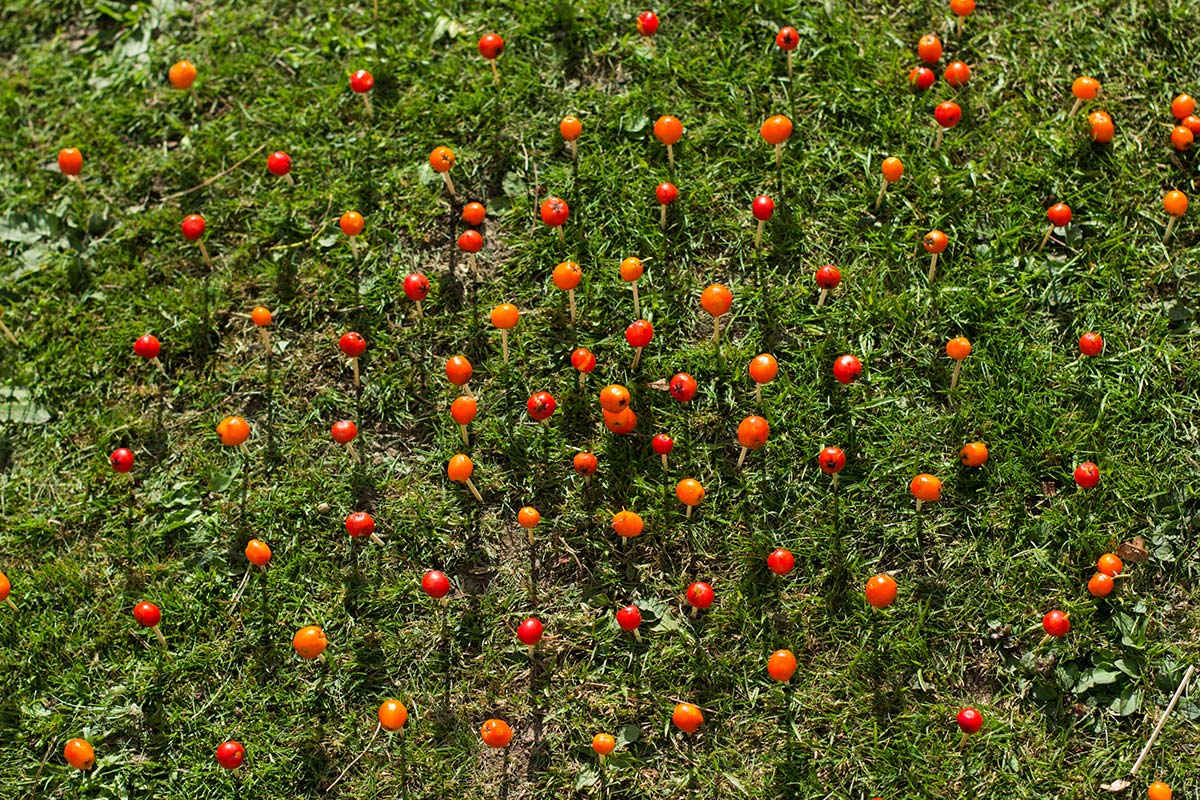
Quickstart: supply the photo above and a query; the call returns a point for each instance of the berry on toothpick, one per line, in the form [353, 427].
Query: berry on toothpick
[683, 387]
[828, 277]
[752, 434]
[343, 432]
[416, 288]
[441, 160]
[361, 83]
[261, 317]
[603, 744]
[631, 270]
[948, 115]
[1176, 205]
[193, 228]
[528, 518]
[934, 243]
[690, 493]
[554, 212]
[962, 9]
[5, 591]
[259, 554]
[647, 25]
[666, 193]
[668, 130]
[148, 615]
[639, 334]
[762, 208]
[70, 163]
[148, 348]
[352, 223]
[832, 460]
[892, 169]
[969, 722]
[490, 47]
[529, 633]
[182, 76]
[585, 464]
[353, 345]
[463, 409]
[459, 470]
[762, 368]
[662, 444]
[1084, 88]
[279, 163]
[926, 489]
[787, 40]
[474, 213]
[629, 619]
[957, 348]
[566, 276]
[716, 300]
[776, 130]
[458, 370]
[571, 128]
[504, 317]
[1059, 215]
[628, 525]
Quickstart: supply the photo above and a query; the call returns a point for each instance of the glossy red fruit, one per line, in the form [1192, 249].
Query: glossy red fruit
[192, 227]
[832, 460]
[344, 431]
[470, 241]
[1090, 344]
[787, 38]
[541, 405]
[847, 369]
[1056, 623]
[491, 45]
[948, 114]
[970, 720]
[700, 595]
[555, 211]
[762, 208]
[1087, 475]
[360, 524]
[279, 163]
[1059, 215]
[416, 287]
[828, 277]
[647, 23]
[921, 78]
[529, 632]
[781, 561]
[362, 81]
[629, 617]
[147, 614]
[353, 344]
[435, 584]
[121, 459]
[230, 755]
[683, 387]
[662, 444]
[639, 333]
[666, 193]
[957, 74]
[583, 360]
[147, 347]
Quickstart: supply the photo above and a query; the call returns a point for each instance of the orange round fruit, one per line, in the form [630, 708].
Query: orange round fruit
[460, 468]
[528, 517]
[70, 161]
[603, 744]
[474, 213]
[716, 299]
[974, 454]
[505, 316]
[464, 409]
[351, 223]
[233, 431]
[496, 733]
[309, 642]
[690, 492]
[781, 665]
[1159, 791]
[881, 590]
[892, 168]
[622, 422]
[776, 129]
[458, 370]
[687, 717]
[182, 74]
[631, 269]
[1182, 138]
[926, 488]
[1175, 203]
[392, 715]
[1102, 130]
[764, 368]
[627, 524]
[1110, 564]
[958, 348]
[260, 316]
[567, 275]
[753, 432]
[570, 128]
[1101, 585]
[441, 159]
[1085, 88]
[258, 553]
[929, 48]
[962, 8]
[79, 754]
[614, 398]
[934, 242]
[668, 130]
[1183, 106]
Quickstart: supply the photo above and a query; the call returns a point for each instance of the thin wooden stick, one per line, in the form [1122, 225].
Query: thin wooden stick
[662, 219]
[216, 177]
[449, 184]
[716, 329]
[466, 439]
[1075, 108]
[1170, 227]
[637, 312]
[821, 298]
[758, 234]
[637, 356]
[8, 334]
[937, 142]
[882, 189]
[1187, 676]
[495, 72]
[367, 103]
[354, 363]
[1045, 239]
[933, 267]
[670, 151]
[741, 457]
[954, 377]
[204, 252]
[571, 303]
[504, 343]
[474, 491]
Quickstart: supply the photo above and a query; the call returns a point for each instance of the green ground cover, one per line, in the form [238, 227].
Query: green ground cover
[871, 709]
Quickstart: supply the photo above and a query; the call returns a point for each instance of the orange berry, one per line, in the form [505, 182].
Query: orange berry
[1085, 88]
[631, 269]
[687, 718]
[926, 488]
[1182, 138]
[1159, 791]
[1100, 585]
[1102, 131]
[570, 128]
[689, 492]
[528, 517]
[934, 242]
[458, 370]
[5, 587]
[893, 168]
[567, 275]
[79, 754]
[496, 733]
[668, 130]
[1110, 564]
[182, 74]
[260, 316]
[958, 348]
[441, 159]
[974, 454]
[753, 432]
[603, 744]
[1175, 203]
[716, 299]
[463, 409]
[309, 642]
[962, 8]
[929, 48]
[776, 129]
[881, 590]
[233, 431]
[351, 223]
[614, 398]
[627, 524]
[585, 463]
[392, 715]
[1183, 106]
[1192, 123]
[474, 213]
[781, 665]
[505, 316]
[622, 422]
[460, 468]
[764, 368]
[258, 553]
[70, 161]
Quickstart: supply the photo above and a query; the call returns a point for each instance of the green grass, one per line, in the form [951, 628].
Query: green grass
[871, 709]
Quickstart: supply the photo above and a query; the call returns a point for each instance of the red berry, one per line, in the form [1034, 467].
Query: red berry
[435, 584]
[121, 459]
[344, 432]
[921, 78]
[147, 614]
[362, 81]
[647, 23]
[583, 360]
[832, 460]
[1090, 344]
[828, 277]
[970, 720]
[787, 38]
[530, 631]
[541, 405]
[1087, 475]
[230, 755]
[353, 344]
[192, 227]
[666, 193]
[147, 347]
[629, 617]
[639, 333]
[1056, 623]
[700, 595]
[662, 444]
[1059, 215]
[360, 524]
[847, 368]
[781, 561]
[416, 287]
[762, 208]
[555, 211]
[491, 45]
[947, 114]
[279, 163]
[683, 387]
